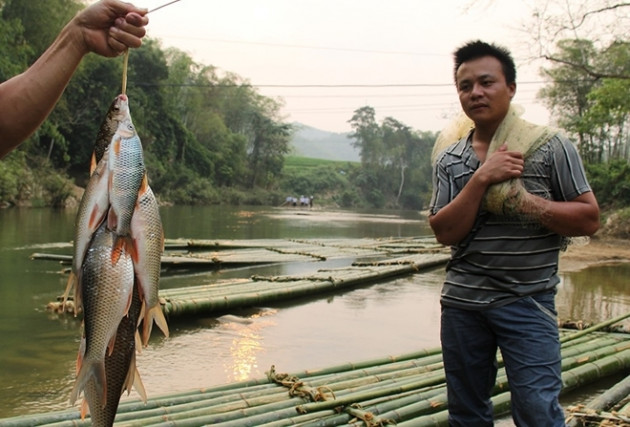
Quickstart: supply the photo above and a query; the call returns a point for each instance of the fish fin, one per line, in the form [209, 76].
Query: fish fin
[121, 244]
[92, 369]
[96, 217]
[80, 355]
[112, 219]
[154, 314]
[144, 185]
[92, 163]
[138, 342]
[132, 248]
[85, 408]
[128, 384]
[137, 384]
[110, 345]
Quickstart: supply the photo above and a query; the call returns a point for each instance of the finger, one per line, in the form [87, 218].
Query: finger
[119, 40]
[137, 31]
[115, 41]
[136, 20]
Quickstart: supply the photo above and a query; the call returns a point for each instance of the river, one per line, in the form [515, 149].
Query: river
[38, 352]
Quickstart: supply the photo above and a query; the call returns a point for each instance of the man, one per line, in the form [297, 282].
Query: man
[106, 28]
[506, 197]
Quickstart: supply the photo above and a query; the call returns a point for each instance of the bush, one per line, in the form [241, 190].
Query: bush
[610, 182]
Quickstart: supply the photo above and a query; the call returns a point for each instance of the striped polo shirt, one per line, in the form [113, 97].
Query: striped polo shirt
[506, 257]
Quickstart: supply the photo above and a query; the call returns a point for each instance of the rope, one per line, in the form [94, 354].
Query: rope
[297, 388]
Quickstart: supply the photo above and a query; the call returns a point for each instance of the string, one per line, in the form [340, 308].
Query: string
[164, 5]
[126, 57]
[124, 76]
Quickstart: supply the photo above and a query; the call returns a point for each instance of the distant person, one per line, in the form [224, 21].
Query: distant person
[106, 28]
[506, 196]
[310, 201]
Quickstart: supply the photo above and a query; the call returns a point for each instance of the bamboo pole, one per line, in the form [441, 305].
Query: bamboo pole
[597, 327]
[604, 401]
[392, 388]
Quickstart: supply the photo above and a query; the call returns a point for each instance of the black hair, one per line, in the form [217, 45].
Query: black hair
[477, 49]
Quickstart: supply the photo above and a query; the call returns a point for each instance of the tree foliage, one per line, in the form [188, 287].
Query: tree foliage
[200, 130]
[395, 160]
[596, 111]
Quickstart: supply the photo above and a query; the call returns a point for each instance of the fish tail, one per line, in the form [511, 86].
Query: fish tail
[137, 384]
[153, 314]
[91, 369]
[133, 380]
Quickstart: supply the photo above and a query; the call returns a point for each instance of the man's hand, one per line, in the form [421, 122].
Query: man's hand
[109, 27]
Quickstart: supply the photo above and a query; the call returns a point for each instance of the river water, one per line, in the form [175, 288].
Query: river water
[38, 351]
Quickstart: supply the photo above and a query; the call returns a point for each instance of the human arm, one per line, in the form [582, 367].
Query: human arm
[107, 28]
[452, 223]
[577, 217]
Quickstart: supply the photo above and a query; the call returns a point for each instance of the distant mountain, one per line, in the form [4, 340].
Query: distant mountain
[320, 144]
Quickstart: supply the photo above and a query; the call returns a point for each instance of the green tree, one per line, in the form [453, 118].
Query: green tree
[367, 135]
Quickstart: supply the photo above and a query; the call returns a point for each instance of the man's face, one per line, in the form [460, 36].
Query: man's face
[483, 92]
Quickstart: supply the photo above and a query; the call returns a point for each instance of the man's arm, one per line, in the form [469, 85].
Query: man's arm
[577, 217]
[453, 222]
[106, 28]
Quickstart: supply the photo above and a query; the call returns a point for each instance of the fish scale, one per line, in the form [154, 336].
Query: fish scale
[120, 370]
[127, 170]
[148, 240]
[106, 293]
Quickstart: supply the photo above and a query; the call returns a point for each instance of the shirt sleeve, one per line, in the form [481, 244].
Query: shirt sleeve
[441, 188]
[569, 178]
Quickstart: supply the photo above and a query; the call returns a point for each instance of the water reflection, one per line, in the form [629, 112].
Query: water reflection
[595, 294]
[38, 352]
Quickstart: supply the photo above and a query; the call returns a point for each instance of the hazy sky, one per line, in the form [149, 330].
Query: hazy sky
[327, 58]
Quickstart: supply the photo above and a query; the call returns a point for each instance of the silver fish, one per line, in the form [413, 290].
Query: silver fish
[107, 294]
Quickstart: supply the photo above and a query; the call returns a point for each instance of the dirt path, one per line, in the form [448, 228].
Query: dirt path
[596, 251]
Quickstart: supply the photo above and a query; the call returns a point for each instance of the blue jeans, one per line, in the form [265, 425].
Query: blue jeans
[526, 331]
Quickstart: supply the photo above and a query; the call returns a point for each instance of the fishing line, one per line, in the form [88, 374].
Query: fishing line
[164, 5]
[126, 57]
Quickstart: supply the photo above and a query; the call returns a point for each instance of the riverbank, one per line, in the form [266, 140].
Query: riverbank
[597, 251]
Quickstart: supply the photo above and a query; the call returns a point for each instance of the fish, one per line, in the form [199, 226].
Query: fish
[121, 372]
[126, 172]
[95, 200]
[106, 289]
[92, 211]
[117, 112]
[148, 242]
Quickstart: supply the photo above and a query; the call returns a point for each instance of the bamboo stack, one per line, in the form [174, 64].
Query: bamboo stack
[184, 254]
[242, 293]
[407, 390]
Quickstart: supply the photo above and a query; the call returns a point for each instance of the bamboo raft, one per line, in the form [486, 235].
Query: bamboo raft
[183, 254]
[375, 259]
[220, 297]
[405, 390]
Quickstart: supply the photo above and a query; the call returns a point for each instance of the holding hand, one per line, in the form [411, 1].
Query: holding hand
[501, 165]
[109, 27]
